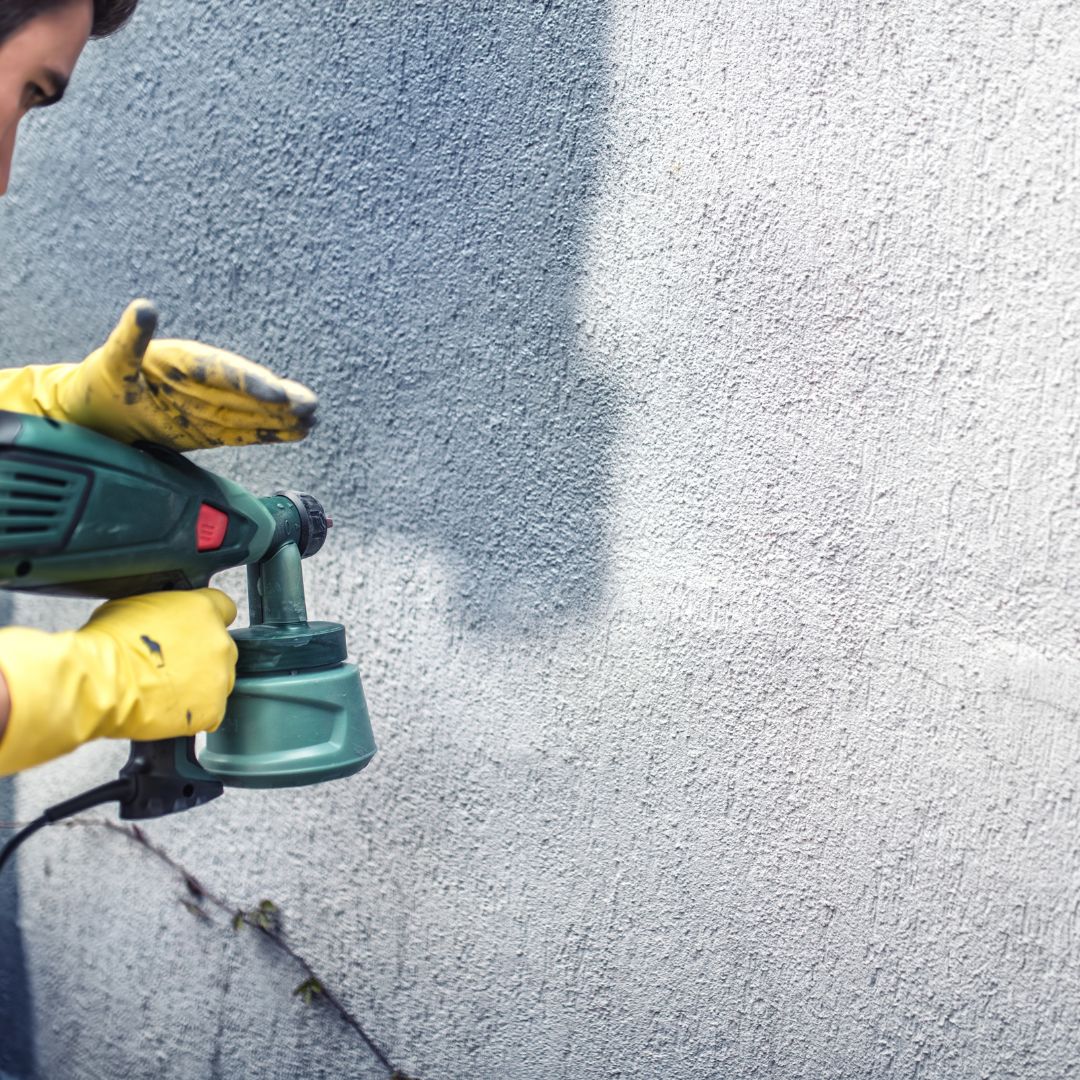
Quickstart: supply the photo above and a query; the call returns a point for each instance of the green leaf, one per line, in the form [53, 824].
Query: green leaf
[266, 916]
[308, 989]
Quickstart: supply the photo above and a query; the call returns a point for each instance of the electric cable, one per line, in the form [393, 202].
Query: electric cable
[120, 790]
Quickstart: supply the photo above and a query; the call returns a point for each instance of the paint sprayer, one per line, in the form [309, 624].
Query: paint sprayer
[84, 515]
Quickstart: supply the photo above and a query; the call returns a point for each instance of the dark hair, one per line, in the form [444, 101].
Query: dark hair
[109, 15]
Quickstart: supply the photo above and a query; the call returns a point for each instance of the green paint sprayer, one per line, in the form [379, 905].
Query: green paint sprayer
[83, 515]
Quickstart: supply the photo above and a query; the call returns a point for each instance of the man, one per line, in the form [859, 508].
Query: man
[59, 690]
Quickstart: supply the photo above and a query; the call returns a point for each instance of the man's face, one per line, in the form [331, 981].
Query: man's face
[36, 63]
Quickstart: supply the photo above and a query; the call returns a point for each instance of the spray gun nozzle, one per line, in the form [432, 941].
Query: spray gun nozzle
[301, 520]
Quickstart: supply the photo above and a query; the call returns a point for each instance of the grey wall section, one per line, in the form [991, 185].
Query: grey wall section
[16, 1005]
[700, 395]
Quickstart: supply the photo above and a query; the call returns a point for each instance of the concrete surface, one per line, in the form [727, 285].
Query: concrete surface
[700, 418]
[16, 1004]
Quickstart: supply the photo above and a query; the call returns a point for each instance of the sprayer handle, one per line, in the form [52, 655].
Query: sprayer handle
[168, 779]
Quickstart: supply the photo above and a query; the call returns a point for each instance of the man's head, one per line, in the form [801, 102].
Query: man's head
[40, 43]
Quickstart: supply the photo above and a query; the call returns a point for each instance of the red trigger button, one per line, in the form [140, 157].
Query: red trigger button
[210, 528]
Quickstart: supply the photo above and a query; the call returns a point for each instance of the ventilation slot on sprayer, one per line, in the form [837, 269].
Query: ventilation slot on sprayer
[37, 505]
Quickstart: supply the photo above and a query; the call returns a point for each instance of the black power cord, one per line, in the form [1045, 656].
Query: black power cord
[120, 790]
[162, 776]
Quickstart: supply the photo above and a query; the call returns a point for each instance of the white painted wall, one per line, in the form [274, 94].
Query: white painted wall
[735, 735]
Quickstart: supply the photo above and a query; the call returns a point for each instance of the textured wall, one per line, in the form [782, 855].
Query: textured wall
[700, 417]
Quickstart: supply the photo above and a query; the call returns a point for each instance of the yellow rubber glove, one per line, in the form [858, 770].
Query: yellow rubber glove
[178, 394]
[146, 667]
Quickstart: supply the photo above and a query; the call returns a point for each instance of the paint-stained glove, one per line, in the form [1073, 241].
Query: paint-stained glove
[178, 394]
[145, 667]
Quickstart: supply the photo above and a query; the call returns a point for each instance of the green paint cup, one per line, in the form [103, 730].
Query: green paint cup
[292, 729]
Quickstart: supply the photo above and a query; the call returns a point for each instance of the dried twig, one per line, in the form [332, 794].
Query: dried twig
[265, 918]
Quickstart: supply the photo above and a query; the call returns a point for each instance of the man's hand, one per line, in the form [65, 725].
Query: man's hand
[179, 394]
[146, 667]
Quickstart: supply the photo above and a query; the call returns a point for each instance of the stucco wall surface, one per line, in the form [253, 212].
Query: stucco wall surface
[699, 397]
